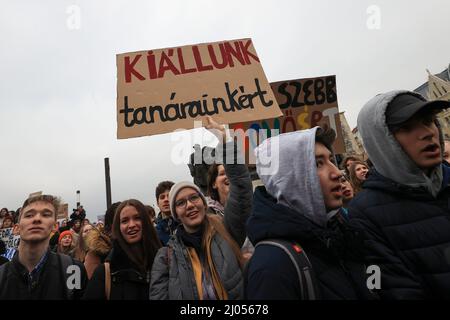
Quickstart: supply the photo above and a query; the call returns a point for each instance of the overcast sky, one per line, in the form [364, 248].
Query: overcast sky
[58, 76]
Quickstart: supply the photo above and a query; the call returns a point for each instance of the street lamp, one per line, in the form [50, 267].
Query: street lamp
[78, 198]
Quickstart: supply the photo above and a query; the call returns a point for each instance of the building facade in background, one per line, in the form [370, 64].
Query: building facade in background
[352, 145]
[438, 88]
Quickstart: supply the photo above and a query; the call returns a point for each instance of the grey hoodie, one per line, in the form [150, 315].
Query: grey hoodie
[286, 164]
[385, 152]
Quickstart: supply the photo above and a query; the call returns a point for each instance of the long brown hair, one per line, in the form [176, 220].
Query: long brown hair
[143, 254]
[216, 222]
[81, 248]
[354, 181]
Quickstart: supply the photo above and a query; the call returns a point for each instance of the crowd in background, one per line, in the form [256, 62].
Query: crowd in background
[311, 231]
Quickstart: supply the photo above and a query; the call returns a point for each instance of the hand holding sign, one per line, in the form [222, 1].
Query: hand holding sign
[216, 129]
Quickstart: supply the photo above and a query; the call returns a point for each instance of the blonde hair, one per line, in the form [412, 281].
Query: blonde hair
[81, 248]
[216, 222]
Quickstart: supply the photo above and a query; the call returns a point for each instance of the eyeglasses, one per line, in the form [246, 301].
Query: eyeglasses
[181, 203]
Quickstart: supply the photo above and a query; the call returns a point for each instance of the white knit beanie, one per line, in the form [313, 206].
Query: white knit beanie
[177, 188]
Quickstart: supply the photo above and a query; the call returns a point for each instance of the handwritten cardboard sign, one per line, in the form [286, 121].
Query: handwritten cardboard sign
[63, 211]
[35, 194]
[159, 91]
[9, 238]
[305, 103]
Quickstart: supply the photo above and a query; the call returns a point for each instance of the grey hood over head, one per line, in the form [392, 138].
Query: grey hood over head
[286, 164]
[387, 155]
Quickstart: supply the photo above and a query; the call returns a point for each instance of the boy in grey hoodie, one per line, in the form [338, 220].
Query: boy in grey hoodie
[299, 204]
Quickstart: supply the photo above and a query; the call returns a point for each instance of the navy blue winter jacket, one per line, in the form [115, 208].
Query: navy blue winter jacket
[333, 254]
[408, 236]
[165, 228]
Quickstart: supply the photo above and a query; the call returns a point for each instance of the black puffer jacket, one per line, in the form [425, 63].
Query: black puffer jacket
[127, 283]
[339, 272]
[408, 236]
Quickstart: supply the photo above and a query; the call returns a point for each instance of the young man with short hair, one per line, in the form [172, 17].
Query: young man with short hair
[35, 272]
[165, 224]
[299, 204]
[404, 205]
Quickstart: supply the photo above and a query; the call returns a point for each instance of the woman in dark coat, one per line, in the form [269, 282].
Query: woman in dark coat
[125, 275]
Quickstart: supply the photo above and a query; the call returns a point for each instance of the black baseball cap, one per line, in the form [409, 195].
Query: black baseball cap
[404, 106]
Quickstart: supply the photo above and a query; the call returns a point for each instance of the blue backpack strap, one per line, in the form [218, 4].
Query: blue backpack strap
[301, 263]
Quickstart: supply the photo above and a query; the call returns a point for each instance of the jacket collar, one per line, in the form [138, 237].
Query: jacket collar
[377, 181]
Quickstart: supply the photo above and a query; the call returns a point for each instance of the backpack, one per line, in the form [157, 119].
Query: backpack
[65, 262]
[299, 259]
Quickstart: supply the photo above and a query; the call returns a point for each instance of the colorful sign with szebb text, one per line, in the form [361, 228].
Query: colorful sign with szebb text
[159, 91]
[63, 211]
[305, 103]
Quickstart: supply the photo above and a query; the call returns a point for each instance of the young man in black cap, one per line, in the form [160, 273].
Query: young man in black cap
[404, 205]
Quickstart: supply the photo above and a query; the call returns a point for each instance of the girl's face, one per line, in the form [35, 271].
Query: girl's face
[446, 154]
[130, 225]
[347, 190]
[190, 209]
[66, 241]
[86, 230]
[7, 223]
[349, 164]
[361, 172]
[221, 183]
